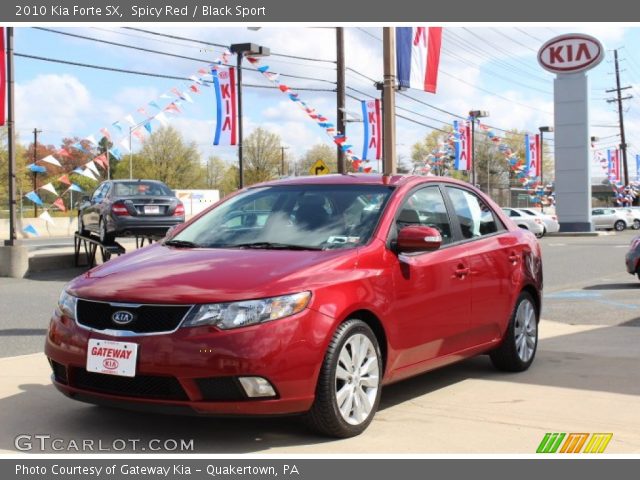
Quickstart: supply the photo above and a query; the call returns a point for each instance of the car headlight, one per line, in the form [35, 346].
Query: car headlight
[67, 305]
[249, 312]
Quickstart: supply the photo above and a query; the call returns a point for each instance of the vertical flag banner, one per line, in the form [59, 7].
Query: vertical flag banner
[532, 155]
[224, 85]
[462, 134]
[614, 165]
[3, 77]
[418, 57]
[372, 121]
[638, 168]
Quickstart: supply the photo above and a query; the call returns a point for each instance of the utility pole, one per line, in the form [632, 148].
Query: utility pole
[340, 102]
[11, 141]
[35, 162]
[390, 164]
[619, 98]
[282, 169]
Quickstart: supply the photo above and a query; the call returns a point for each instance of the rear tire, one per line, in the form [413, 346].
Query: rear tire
[348, 390]
[636, 224]
[106, 238]
[520, 343]
[619, 226]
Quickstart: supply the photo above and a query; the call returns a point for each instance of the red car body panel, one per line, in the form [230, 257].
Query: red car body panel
[431, 309]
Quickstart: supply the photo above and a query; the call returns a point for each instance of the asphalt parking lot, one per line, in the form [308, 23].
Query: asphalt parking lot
[585, 378]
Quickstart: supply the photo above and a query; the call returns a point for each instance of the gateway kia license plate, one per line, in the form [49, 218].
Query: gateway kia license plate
[112, 358]
[151, 209]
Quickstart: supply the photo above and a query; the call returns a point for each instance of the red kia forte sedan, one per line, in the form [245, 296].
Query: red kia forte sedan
[303, 296]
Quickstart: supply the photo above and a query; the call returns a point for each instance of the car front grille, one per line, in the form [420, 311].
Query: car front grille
[59, 372]
[146, 318]
[142, 386]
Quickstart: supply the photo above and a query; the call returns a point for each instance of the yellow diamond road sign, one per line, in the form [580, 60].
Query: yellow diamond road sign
[319, 168]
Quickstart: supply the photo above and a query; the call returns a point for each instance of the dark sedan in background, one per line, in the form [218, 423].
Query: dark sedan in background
[126, 208]
[632, 258]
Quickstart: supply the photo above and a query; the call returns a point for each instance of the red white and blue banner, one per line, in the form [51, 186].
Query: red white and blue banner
[224, 86]
[532, 155]
[418, 57]
[613, 157]
[372, 121]
[463, 158]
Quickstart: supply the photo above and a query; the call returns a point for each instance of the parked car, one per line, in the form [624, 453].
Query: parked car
[632, 214]
[610, 219]
[525, 221]
[125, 208]
[352, 282]
[550, 222]
[632, 258]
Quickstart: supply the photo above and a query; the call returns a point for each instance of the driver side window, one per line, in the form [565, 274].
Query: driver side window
[426, 207]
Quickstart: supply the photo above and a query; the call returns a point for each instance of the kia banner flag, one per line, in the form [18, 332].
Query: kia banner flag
[418, 56]
[532, 154]
[3, 78]
[224, 86]
[614, 165]
[462, 141]
[372, 121]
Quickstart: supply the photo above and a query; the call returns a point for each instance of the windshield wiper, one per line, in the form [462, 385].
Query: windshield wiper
[181, 244]
[273, 246]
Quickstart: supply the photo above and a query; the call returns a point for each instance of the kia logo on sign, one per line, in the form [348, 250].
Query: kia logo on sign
[122, 317]
[570, 53]
[110, 363]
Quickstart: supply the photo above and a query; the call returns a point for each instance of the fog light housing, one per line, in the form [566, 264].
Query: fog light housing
[257, 387]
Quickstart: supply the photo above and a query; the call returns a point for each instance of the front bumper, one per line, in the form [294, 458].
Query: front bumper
[194, 370]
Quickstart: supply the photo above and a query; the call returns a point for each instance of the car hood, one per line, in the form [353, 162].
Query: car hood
[169, 275]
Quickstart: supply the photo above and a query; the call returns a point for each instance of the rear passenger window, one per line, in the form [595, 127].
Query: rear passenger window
[474, 215]
[426, 207]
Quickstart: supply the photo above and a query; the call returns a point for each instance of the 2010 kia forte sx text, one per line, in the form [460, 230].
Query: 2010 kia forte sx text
[303, 295]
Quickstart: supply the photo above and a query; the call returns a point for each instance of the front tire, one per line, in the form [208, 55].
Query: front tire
[81, 230]
[348, 390]
[636, 224]
[619, 226]
[520, 343]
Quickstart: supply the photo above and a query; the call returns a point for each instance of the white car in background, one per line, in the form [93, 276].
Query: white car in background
[611, 219]
[634, 213]
[528, 222]
[551, 224]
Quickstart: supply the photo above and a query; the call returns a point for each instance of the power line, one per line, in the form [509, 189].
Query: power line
[203, 42]
[149, 74]
[183, 57]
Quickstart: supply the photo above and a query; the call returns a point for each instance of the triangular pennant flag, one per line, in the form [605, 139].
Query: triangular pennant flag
[154, 104]
[187, 97]
[202, 71]
[124, 143]
[92, 166]
[172, 107]
[100, 160]
[63, 153]
[91, 139]
[59, 204]
[147, 126]
[31, 229]
[77, 170]
[283, 88]
[130, 120]
[115, 151]
[37, 168]
[194, 89]
[117, 125]
[105, 133]
[164, 95]
[88, 173]
[263, 68]
[162, 118]
[52, 160]
[252, 60]
[138, 134]
[49, 188]
[33, 196]
[143, 111]
[64, 179]
[46, 217]
[75, 188]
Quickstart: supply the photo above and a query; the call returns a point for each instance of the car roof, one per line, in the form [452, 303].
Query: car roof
[358, 179]
[127, 180]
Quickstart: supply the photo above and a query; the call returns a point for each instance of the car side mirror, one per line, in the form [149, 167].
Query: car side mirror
[85, 199]
[417, 238]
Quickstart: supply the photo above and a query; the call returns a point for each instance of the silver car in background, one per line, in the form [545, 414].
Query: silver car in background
[610, 219]
[551, 224]
[528, 222]
[633, 214]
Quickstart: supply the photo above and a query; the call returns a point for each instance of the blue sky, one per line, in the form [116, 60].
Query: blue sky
[489, 68]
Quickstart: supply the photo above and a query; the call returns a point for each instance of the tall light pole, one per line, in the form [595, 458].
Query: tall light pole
[11, 142]
[390, 164]
[474, 115]
[282, 149]
[341, 94]
[242, 50]
[543, 130]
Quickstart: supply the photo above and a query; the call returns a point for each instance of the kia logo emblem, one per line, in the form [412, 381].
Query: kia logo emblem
[110, 363]
[122, 317]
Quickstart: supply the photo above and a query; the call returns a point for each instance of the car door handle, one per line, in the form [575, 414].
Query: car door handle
[514, 258]
[462, 271]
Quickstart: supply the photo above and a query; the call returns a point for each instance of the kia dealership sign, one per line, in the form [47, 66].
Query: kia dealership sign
[570, 53]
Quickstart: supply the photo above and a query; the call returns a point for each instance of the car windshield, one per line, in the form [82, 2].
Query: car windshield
[316, 217]
[134, 189]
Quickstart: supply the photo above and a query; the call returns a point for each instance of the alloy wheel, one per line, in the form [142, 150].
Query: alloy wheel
[526, 328]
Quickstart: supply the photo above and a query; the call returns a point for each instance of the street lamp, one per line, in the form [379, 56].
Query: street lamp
[282, 149]
[543, 130]
[242, 50]
[475, 114]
